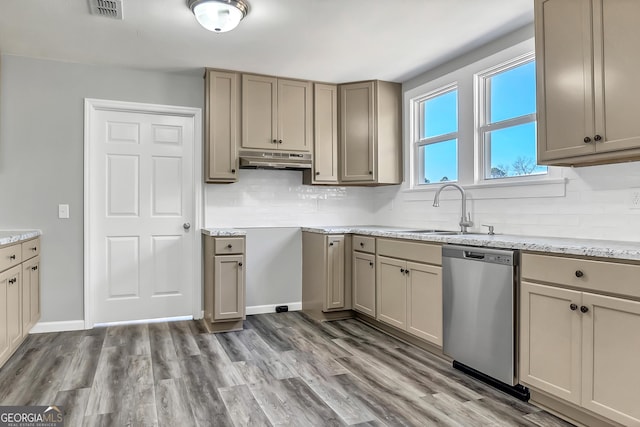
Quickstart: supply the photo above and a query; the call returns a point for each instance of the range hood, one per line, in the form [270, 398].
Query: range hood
[274, 160]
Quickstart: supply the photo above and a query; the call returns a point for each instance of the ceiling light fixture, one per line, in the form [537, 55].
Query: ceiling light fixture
[219, 16]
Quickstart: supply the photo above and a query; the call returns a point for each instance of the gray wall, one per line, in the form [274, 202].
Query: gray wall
[41, 156]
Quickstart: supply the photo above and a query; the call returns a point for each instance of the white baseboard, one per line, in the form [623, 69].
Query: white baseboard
[271, 308]
[67, 325]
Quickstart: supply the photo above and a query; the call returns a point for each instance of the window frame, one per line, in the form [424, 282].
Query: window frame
[482, 105]
[417, 142]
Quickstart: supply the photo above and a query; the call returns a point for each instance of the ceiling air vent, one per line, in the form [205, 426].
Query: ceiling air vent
[107, 8]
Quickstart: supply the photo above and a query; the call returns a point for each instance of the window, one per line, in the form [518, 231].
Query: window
[507, 120]
[436, 145]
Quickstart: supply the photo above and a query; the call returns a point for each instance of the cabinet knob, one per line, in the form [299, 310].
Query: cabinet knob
[239, 264]
[12, 281]
[279, 141]
[584, 308]
[402, 270]
[362, 244]
[587, 140]
[573, 307]
[579, 273]
[331, 244]
[371, 263]
[34, 268]
[275, 141]
[233, 171]
[370, 172]
[35, 248]
[12, 257]
[407, 271]
[597, 138]
[229, 246]
[317, 173]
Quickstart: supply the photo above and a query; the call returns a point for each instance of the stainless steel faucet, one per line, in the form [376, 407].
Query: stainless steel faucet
[465, 218]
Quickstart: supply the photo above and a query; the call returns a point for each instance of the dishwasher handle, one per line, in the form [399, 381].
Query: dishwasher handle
[473, 255]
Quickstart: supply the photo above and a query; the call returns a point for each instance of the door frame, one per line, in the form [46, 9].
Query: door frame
[91, 106]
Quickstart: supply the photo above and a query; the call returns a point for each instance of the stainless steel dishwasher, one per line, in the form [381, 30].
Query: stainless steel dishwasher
[479, 314]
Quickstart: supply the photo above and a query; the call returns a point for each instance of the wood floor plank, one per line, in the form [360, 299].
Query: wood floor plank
[243, 407]
[172, 403]
[163, 352]
[74, 404]
[268, 333]
[84, 364]
[545, 419]
[183, 339]
[133, 338]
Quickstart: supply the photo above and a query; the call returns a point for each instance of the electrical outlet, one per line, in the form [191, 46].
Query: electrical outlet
[634, 199]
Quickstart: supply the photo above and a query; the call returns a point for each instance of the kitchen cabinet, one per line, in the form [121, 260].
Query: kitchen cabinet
[364, 275]
[325, 134]
[576, 342]
[276, 114]
[370, 135]
[222, 126]
[326, 281]
[224, 283]
[409, 287]
[17, 294]
[587, 90]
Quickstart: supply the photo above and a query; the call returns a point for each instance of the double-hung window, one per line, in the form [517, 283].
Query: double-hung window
[436, 146]
[506, 114]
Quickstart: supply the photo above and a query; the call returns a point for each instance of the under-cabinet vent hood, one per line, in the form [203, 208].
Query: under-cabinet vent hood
[274, 160]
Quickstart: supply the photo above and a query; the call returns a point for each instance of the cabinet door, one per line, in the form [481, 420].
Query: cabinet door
[14, 307]
[424, 301]
[616, 36]
[30, 294]
[391, 291]
[5, 348]
[259, 112]
[610, 354]
[364, 283]
[335, 297]
[325, 133]
[222, 126]
[357, 136]
[294, 115]
[550, 340]
[228, 287]
[564, 78]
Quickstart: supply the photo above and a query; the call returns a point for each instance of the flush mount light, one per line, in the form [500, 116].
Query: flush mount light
[219, 16]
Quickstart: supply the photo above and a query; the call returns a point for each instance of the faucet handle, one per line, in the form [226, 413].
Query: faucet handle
[491, 233]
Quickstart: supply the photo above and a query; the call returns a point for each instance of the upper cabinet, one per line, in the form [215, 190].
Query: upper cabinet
[587, 86]
[325, 134]
[370, 133]
[222, 126]
[276, 114]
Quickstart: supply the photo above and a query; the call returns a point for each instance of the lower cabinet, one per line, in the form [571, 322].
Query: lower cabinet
[577, 345]
[409, 293]
[326, 284]
[30, 294]
[364, 283]
[224, 283]
[11, 317]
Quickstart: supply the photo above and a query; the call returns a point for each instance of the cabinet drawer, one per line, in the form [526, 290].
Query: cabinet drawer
[364, 244]
[412, 251]
[30, 249]
[600, 276]
[229, 245]
[10, 256]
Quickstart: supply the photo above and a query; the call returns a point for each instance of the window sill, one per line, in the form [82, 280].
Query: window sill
[550, 187]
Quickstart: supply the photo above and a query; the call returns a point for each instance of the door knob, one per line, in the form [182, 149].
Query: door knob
[186, 226]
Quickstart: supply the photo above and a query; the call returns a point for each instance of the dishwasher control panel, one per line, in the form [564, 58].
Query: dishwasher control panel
[499, 259]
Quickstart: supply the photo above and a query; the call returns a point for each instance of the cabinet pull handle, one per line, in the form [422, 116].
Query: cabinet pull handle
[579, 273]
[597, 138]
[229, 246]
[584, 308]
[587, 140]
[12, 257]
[573, 307]
[371, 263]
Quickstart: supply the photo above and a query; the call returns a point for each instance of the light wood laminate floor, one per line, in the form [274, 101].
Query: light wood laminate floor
[283, 369]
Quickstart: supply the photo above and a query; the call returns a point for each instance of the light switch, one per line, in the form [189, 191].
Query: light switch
[63, 211]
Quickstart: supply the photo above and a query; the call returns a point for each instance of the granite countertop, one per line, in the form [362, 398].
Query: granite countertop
[223, 232]
[13, 236]
[558, 245]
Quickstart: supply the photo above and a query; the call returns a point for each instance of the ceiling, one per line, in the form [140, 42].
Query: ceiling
[326, 40]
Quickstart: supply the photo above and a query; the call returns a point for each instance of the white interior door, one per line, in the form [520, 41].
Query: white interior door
[141, 199]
